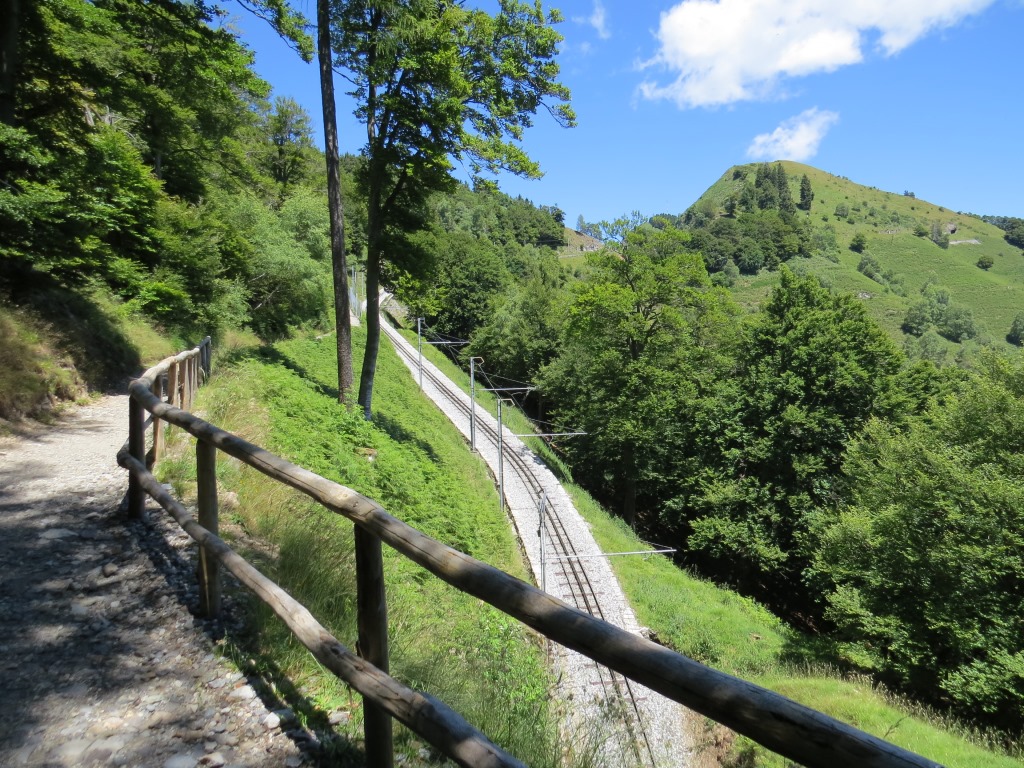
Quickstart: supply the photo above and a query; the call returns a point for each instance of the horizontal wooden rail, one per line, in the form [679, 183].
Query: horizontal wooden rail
[183, 376]
[784, 726]
[434, 720]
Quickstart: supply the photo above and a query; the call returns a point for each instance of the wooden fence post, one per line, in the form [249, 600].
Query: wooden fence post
[209, 569]
[190, 379]
[173, 385]
[208, 357]
[137, 448]
[372, 608]
[158, 426]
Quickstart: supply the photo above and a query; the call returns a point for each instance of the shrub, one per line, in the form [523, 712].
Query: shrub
[938, 510]
[986, 262]
[1016, 334]
[870, 267]
[858, 243]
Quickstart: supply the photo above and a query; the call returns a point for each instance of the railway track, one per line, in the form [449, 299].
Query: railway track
[618, 694]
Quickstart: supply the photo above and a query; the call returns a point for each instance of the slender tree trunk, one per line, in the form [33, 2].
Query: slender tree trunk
[334, 202]
[374, 213]
[11, 14]
[369, 370]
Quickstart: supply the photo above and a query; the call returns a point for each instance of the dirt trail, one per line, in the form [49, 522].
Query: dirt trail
[101, 662]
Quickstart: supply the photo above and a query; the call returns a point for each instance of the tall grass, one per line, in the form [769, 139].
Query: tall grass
[412, 461]
[60, 343]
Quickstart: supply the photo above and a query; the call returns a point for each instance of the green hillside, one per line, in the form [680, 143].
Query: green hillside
[898, 230]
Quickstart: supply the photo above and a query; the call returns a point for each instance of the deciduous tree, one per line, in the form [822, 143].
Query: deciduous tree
[813, 369]
[638, 348]
[437, 83]
[926, 566]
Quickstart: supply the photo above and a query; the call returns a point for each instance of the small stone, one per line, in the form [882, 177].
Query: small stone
[99, 752]
[227, 739]
[285, 714]
[106, 727]
[293, 761]
[272, 722]
[243, 693]
[214, 759]
[180, 761]
[56, 533]
[55, 585]
[71, 752]
[339, 716]
[210, 746]
[160, 718]
[109, 569]
[79, 609]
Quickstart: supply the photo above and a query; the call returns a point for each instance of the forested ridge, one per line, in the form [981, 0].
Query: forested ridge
[863, 479]
[866, 491]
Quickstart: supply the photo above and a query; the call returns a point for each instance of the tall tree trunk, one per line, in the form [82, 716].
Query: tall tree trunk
[369, 369]
[11, 14]
[346, 375]
[374, 231]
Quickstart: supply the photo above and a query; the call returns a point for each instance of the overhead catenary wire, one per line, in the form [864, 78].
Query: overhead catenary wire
[496, 383]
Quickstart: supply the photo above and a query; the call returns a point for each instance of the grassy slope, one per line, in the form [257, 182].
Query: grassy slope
[411, 460]
[995, 295]
[736, 635]
[60, 343]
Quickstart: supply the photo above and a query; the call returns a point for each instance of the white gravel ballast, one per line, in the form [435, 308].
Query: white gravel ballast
[630, 724]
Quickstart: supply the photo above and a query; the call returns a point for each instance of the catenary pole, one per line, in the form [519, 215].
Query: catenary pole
[419, 346]
[472, 401]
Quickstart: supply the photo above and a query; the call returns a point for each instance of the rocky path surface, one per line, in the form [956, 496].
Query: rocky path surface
[101, 661]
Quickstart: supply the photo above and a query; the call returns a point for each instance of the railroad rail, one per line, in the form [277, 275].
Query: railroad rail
[619, 693]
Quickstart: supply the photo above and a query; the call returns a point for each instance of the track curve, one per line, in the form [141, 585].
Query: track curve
[636, 726]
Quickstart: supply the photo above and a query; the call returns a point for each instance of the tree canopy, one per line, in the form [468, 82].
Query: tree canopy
[924, 565]
[438, 83]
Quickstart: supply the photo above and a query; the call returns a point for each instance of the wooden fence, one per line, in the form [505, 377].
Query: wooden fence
[790, 729]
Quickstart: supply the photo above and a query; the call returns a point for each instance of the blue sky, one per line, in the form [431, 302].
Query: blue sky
[919, 95]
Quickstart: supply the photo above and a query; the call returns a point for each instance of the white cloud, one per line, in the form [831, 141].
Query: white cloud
[723, 51]
[598, 20]
[797, 138]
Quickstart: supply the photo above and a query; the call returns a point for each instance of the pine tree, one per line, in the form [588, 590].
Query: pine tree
[806, 193]
[786, 204]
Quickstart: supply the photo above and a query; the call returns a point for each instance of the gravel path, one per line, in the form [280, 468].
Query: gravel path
[665, 725]
[101, 662]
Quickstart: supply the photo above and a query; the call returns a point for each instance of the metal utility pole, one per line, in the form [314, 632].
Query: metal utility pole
[472, 401]
[419, 346]
[540, 532]
[501, 463]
